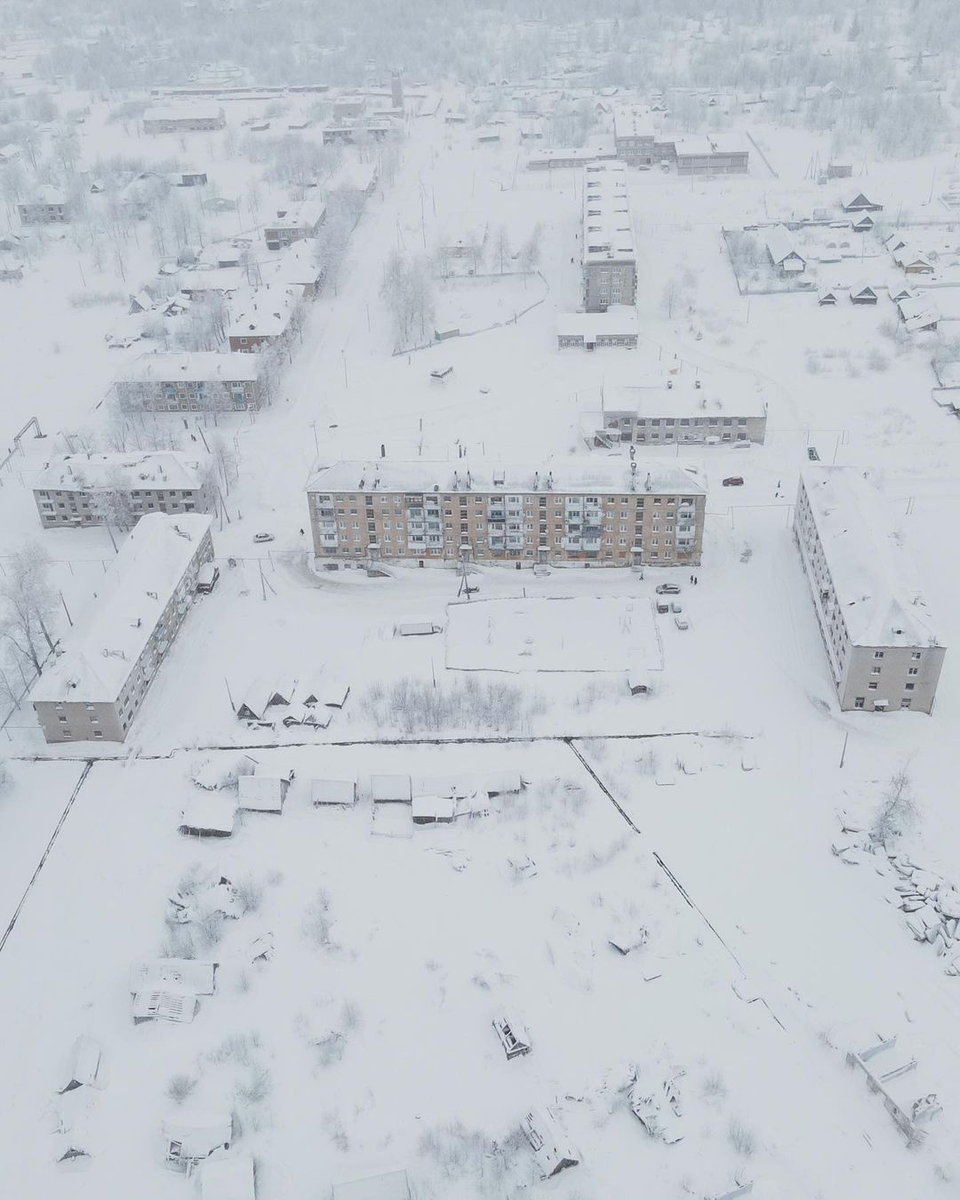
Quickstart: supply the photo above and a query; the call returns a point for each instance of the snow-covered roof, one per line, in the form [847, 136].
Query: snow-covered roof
[101, 652]
[688, 393]
[298, 214]
[300, 264]
[384, 475]
[137, 470]
[693, 145]
[201, 366]
[872, 574]
[184, 112]
[633, 123]
[227, 1179]
[618, 321]
[392, 1185]
[266, 313]
[599, 147]
[607, 224]
[45, 194]
[780, 244]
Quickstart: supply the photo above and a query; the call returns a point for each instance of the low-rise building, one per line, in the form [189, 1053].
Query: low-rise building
[120, 488]
[202, 381]
[301, 265]
[678, 410]
[193, 118]
[299, 219]
[612, 514]
[47, 206]
[882, 646]
[95, 688]
[634, 133]
[599, 148]
[703, 154]
[618, 326]
[783, 253]
[609, 251]
[265, 318]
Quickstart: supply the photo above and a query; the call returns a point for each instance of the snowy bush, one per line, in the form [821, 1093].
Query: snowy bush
[181, 1087]
[415, 706]
[249, 893]
[317, 925]
[741, 1139]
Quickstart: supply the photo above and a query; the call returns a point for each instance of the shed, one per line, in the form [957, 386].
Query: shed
[255, 701]
[859, 202]
[159, 1004]
[386, 788]
[306, 714]
[638, 682]
[228, 1179]
[827, 296]
[417, 628]
[427, 810]
[391, 1185]
[551, 1146]
[333, 791]
[85, 1067]
[190, 1137]
[863, 293]
[264, 792]
[513, 1035]
[863, 224]
[465, 783]
[209, 815]
[180, 974]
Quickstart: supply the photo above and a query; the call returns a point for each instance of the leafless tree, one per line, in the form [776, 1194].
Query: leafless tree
[28, 601]
[897, 811]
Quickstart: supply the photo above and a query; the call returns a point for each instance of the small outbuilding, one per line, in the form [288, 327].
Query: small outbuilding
[513, 1035]
[159, 1004]
[827, 296]
[211, 814]
[184, 974]
[863, 293]
[264, 792]
[85, 1066]
[333, 791]
[391, 1185]
[391, 789]
[552, 1148]
[417, 628]
[859, 202]
[192, 1137]
[429, 810]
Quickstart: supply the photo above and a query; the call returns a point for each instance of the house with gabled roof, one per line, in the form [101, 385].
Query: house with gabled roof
[859, 202]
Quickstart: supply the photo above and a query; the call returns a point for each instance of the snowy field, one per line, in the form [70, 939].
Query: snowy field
[583, 634]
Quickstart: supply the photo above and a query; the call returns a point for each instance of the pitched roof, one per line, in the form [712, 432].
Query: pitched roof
[136, 470]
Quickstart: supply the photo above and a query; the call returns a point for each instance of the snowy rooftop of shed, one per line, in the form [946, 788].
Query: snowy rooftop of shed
[874, 577]
[102, 651]
[665, 478]
[136, 470]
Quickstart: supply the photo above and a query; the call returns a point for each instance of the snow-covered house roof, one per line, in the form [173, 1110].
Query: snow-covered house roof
[620, 320]
[197, 367]
[198, 111]
[101, 652]
[687, 393]
[781, 246]
[46, 194]
[300, 264]
[298, 214]
[607, 224]
[873, 577]
[267, 313]
[262, 793]
[633, 123]
[658, 476]
[144, 470]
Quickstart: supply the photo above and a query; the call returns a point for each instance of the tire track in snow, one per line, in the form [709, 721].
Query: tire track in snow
[88, 763]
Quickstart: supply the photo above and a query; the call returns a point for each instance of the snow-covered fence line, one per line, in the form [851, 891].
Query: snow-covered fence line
[465, 333]
[766, 161]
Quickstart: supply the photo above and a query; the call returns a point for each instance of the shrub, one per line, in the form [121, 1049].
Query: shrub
[181, 1087]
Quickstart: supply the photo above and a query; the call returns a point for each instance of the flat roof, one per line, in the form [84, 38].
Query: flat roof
[619, 319]
[205, 366]
[874, 578]
[719, 394]
[183, 112]
[633, 123]
[607, 222]
[135, 470]
[100, 653]
[298, 214]
[384, 475]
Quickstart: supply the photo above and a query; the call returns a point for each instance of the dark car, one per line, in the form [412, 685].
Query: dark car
[812, 454]
[733, 481]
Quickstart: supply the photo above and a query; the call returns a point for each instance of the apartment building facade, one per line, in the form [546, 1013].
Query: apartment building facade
[203, 381]
[609, 250]
[77, 490]
[612, 515]
[635, 136]
[48, 206]
[882, 647]
[95, 688]
[199, 118]
[299, 219]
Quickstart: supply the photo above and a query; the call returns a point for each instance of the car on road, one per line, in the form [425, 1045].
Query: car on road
[733, 481]
[812, 454]
[668, 589]
[263, 537]
[681, 622]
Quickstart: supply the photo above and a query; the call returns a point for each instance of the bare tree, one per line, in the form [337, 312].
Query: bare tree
[28, 601]
[112, 505]
[226, 462]
[897, 811]
[502, 247]
[530, 250]
[670, 297]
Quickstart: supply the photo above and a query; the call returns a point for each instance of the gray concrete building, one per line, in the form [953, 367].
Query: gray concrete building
[882, 646]
[609, 253]
[95, 688]
[120, 488]
[611, 514]
[200, 381]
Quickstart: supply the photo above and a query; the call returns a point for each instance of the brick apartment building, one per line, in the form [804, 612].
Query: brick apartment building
[95, 688]
[609, 252]
[882, 646]
[73, 490]
[635, 136]
[195, 118]
[202, 381]
[268, 316]
[614, 514]
[297, 220]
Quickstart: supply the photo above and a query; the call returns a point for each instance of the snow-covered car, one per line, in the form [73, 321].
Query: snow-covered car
[733, 481]
[681, 622]
[263, 537]
[812, 454]
[668, 589]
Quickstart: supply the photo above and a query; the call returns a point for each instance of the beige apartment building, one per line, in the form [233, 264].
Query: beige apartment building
[194, 118]
[882, 646]
[204, 381]
[609, 253]
[95, 688]
[610, 514]
[90, 489]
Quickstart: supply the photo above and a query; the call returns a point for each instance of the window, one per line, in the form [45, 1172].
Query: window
[909, 687]
[875, 670]
[905, 702]
[872, 686]
[913, 670]
[915, 655]
[878, 654]
[859, 702]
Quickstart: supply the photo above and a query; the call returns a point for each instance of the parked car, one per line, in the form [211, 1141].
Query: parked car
[668, 589]
[676, 606]
[681, 622]
[733, 481]
[812, 454]
[263, 537]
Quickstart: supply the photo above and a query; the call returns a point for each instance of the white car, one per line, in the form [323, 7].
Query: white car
[263, 537]
[681, 622]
